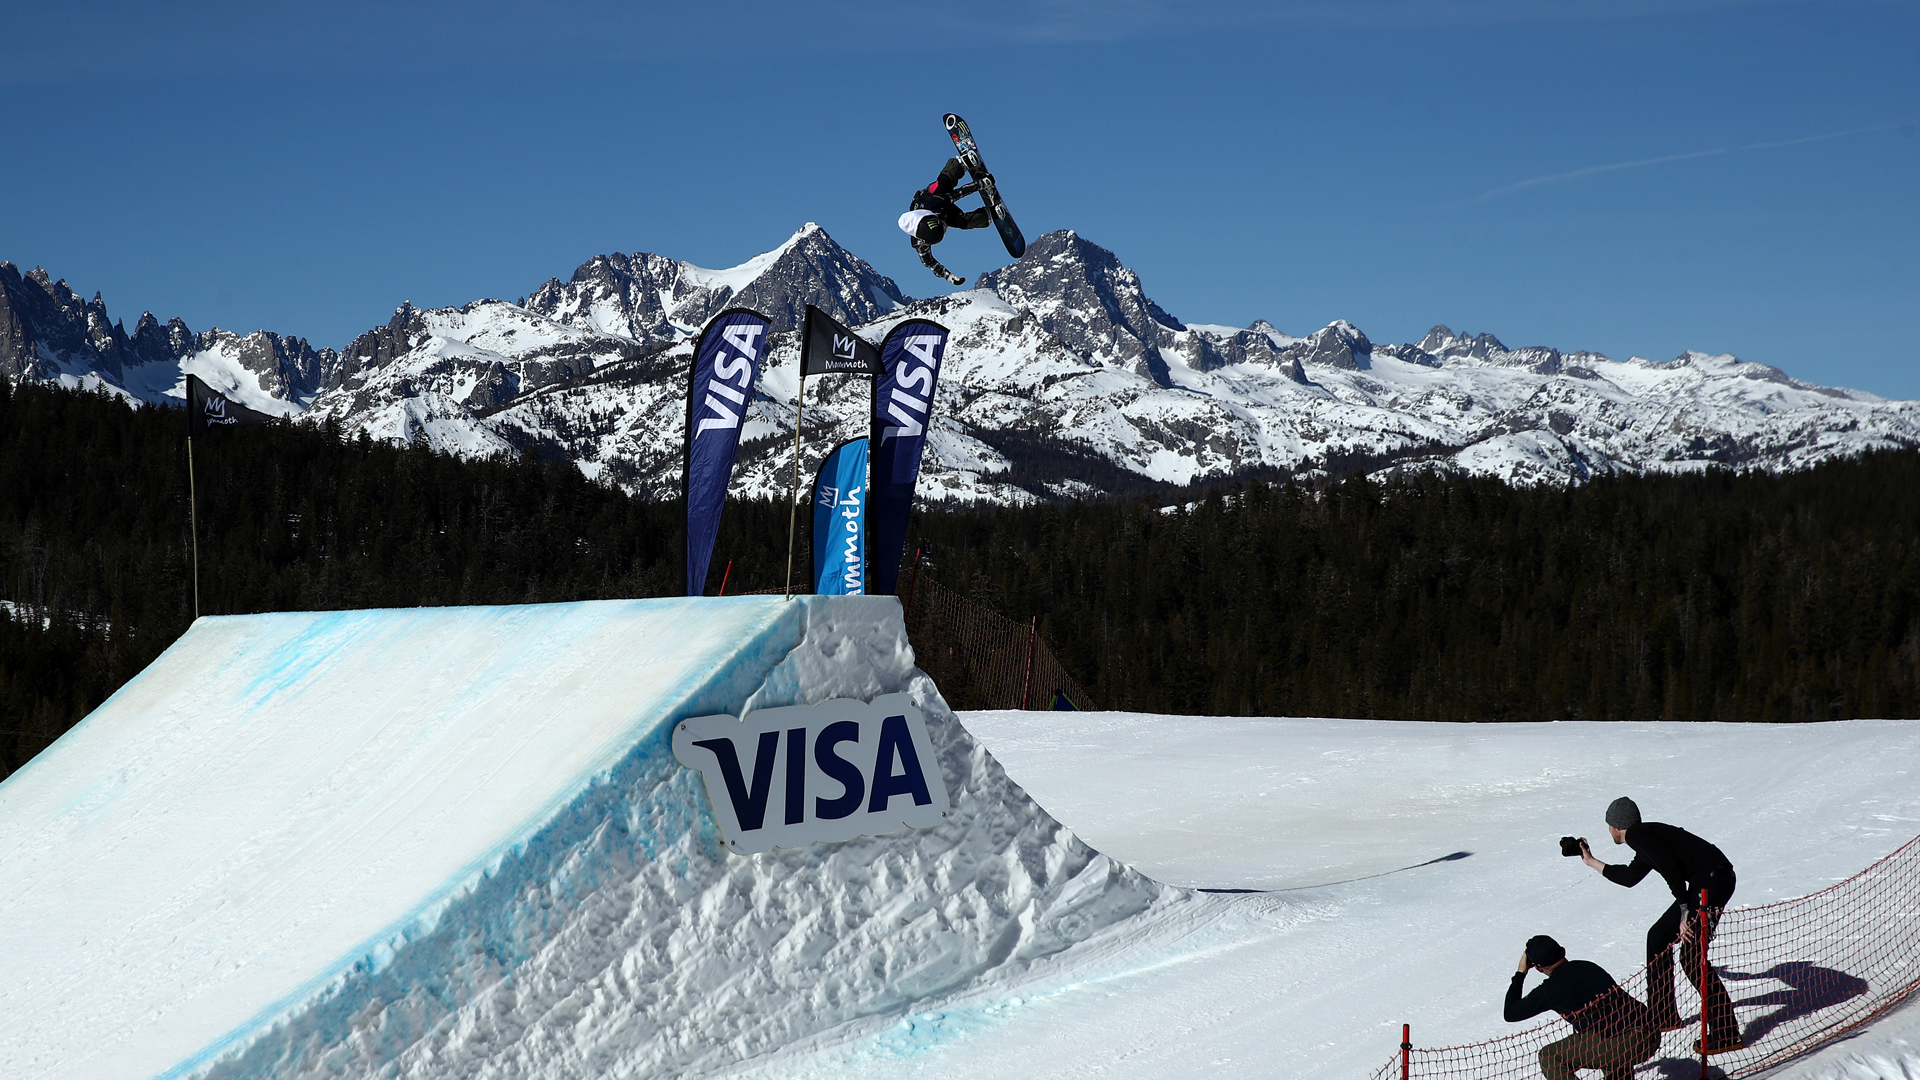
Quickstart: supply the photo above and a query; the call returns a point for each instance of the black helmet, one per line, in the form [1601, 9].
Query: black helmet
[930, 229]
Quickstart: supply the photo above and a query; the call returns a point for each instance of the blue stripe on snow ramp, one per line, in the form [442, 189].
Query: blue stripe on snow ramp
[454, 841]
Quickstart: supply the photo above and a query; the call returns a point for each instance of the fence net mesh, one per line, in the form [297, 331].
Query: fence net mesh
[1802, 973]
[978, 657]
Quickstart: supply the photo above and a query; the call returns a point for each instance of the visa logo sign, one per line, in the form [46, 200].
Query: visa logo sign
[811, 774]
[913, 388]
[732, 379]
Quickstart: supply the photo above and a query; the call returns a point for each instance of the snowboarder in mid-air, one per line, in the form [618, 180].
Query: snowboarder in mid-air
[935, 209]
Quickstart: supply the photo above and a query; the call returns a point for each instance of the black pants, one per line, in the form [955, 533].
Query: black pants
[940, 201]
[957, 218]
[1666, 930]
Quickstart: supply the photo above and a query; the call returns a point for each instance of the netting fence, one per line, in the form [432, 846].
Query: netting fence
[1802, 973]
[979, 658]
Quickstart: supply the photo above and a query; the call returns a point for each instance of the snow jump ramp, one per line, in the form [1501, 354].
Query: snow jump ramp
[456, 842]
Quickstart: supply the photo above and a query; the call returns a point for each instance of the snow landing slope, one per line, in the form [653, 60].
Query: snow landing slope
[1410, 863]
[454, 841]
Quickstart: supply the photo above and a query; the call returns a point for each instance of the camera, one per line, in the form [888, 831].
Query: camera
[1570, 846]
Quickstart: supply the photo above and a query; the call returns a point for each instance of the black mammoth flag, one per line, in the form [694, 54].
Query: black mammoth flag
[726, 365]
[902, 412]
[210, 410]
[831, 349]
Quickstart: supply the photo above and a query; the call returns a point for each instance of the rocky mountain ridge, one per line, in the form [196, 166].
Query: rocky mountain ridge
[1064, 379]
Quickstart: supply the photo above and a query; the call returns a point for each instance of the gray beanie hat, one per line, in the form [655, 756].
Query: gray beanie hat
[1622, 814]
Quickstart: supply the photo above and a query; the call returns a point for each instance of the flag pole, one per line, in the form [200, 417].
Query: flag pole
[193, 526]
[793, 505]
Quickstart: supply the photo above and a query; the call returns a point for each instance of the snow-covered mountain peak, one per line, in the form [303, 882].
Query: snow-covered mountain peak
[1728, 364]
[1445, 346]
[1340, 344]
[1082, 294]
[1267, 329]
[810, 268]
[1441, 341]
[48, 332]
[654, 300]
[735, 278]
[1063, 378]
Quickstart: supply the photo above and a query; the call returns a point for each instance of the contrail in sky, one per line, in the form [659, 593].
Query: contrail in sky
[1593, 170]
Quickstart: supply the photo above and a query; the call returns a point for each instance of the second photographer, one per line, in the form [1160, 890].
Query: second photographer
[1611, 1029]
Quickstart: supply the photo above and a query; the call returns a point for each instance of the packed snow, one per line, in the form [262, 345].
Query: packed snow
[1368, 923]
[455, 842]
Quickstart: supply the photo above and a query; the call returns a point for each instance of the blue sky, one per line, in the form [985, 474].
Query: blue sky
[1629, 176]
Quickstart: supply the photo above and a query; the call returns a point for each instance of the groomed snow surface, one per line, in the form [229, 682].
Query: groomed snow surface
[1316, 979]
[454, 842]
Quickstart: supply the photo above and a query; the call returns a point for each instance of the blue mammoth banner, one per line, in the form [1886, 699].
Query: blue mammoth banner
[902, 413]
[726, 365]
[840, 521]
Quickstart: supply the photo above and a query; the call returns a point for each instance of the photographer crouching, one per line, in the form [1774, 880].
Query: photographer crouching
[1612, 1030]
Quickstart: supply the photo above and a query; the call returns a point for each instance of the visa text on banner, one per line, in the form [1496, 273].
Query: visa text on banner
[726, 365]
[902, 413]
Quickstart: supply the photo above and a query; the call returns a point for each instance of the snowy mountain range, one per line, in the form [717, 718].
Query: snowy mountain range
[1063, 379]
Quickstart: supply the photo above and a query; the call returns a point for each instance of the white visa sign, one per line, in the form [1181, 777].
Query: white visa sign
[810, 774]
[743, 337]
[913, 389]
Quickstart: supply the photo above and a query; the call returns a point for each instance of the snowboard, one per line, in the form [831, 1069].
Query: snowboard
[969, 154]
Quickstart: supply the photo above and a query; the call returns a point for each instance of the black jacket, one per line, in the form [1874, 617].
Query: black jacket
[1683, 859]
[1585, 994]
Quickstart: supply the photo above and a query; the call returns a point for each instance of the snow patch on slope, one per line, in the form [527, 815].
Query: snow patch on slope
[736, 278]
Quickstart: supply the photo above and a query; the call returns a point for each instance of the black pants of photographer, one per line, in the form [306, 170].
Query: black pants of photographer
[1721, 1024]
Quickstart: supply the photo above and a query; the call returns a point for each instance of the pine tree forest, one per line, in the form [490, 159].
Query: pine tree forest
[1723, 596]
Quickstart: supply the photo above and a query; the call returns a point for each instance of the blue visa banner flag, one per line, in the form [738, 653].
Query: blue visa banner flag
[840, 521]
[726, 365]
[902, 412]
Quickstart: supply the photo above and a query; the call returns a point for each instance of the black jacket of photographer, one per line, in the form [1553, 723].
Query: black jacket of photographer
[1687, 862]
[1585, 994]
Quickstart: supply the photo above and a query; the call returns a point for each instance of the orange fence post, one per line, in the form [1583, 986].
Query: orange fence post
[1701, 944]
[1406, 1050]
[725, 576]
